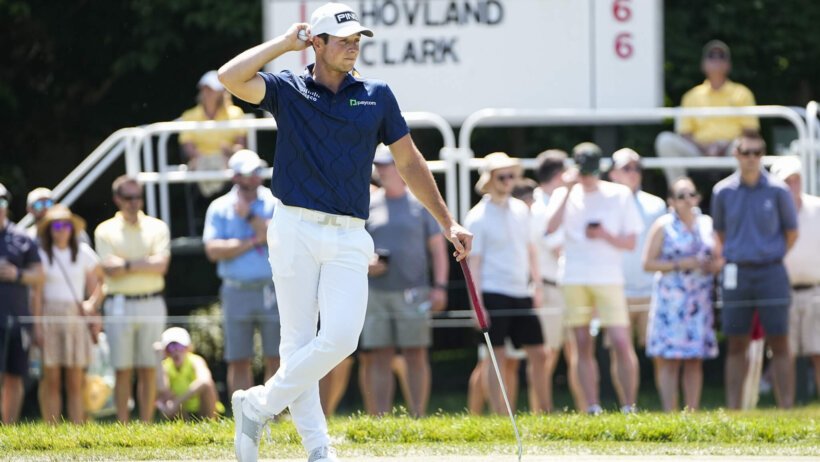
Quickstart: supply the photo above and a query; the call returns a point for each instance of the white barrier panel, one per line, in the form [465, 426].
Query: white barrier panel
[455, 57]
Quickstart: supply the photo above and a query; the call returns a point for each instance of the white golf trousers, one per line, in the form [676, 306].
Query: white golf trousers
[319, 270]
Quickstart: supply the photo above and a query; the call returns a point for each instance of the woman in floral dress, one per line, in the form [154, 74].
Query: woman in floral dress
[682, 250]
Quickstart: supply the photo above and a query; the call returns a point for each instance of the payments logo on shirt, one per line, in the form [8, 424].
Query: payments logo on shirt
[355, 102]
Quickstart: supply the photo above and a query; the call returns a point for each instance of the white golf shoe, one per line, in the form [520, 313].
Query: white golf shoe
[248, 430]
[323, 454]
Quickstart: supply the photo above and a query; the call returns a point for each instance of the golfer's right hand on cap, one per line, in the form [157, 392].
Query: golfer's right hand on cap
[462, 240]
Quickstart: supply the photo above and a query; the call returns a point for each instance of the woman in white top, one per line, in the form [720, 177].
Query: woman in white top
[68, 321]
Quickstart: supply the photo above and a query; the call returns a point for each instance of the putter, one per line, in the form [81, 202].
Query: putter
[485, 328]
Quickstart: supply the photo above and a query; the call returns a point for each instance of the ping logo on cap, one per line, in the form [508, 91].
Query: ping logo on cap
[346, 16]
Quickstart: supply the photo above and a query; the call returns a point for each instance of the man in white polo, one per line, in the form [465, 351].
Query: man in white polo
[801, 264]
[600, 222]
[503, 263]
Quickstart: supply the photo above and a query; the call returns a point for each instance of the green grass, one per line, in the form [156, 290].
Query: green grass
[768, 432]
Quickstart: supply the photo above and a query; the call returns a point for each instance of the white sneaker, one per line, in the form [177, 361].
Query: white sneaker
[595, 409]
[248, 430]
[323, 454]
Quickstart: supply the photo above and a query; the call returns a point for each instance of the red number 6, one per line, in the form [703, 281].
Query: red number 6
[623, 45]
[621, 10]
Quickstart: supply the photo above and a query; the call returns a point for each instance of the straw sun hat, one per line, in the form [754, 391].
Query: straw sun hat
[492, 162]
[59, 212]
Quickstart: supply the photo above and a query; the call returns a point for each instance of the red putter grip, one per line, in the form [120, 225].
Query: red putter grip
[477, 306]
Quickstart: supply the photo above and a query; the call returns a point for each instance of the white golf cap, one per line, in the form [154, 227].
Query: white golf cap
[383, 155]
[244, 161]
[175, 335]
[785, 167]
[37, 194]
[211, 79]
[336, 19]
[624, 156]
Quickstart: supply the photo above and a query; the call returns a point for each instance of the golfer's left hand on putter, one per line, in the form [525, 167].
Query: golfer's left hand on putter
[462, 240]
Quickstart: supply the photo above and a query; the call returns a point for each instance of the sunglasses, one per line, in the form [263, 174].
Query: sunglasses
[684, 195]
[506, 177]
[254, 172]
[136, 197]
[42, 204]
[61, 225]
[632, 168]
[175, 346]
[4, 203]
[717, 55]
[756, 153]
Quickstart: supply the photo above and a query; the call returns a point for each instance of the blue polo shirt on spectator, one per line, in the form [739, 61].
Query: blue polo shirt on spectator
[19, 250]
[753, 218]
[222, 222]
[326, 140]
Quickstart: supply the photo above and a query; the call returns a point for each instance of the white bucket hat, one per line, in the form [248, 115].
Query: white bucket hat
[494, 161]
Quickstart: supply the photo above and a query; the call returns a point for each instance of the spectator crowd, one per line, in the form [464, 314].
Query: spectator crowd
[579, 253]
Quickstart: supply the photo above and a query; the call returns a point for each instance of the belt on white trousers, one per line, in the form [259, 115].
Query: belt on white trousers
[322, 218]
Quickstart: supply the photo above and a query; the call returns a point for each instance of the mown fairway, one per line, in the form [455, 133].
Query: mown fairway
[718, 432]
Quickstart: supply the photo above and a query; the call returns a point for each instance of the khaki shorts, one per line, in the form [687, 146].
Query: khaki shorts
[551, 317]
[608, 301]
[804, 322]
[132, 327]
[393, 319]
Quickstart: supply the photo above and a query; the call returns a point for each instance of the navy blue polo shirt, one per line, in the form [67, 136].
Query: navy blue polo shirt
[326, 141]
[754, 218]
[18, 249]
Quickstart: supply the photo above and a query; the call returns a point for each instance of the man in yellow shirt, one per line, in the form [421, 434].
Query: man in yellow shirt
[708, 136]
[135, 251]
[210, 149]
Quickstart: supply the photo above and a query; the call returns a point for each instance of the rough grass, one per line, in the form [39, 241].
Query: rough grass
[718, 432]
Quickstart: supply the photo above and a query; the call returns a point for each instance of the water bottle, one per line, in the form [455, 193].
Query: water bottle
[35, 363]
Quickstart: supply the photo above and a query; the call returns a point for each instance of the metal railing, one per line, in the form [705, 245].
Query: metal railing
[166, 174]
[137, 143]
[564, 117]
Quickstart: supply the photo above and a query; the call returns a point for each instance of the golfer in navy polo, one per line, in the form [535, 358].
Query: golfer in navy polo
[756, 223]
[330, 121]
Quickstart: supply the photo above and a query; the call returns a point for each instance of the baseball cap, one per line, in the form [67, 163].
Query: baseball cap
[624, 156]
[587, 157]
[336, 19]
[4, 192]
[175, 335]
[785, 167]
[211, 79]
[383, 155]
[716, 45]
[244, 162]
[37, 194]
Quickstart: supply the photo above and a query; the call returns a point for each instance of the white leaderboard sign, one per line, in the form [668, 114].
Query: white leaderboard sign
[455, 57]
